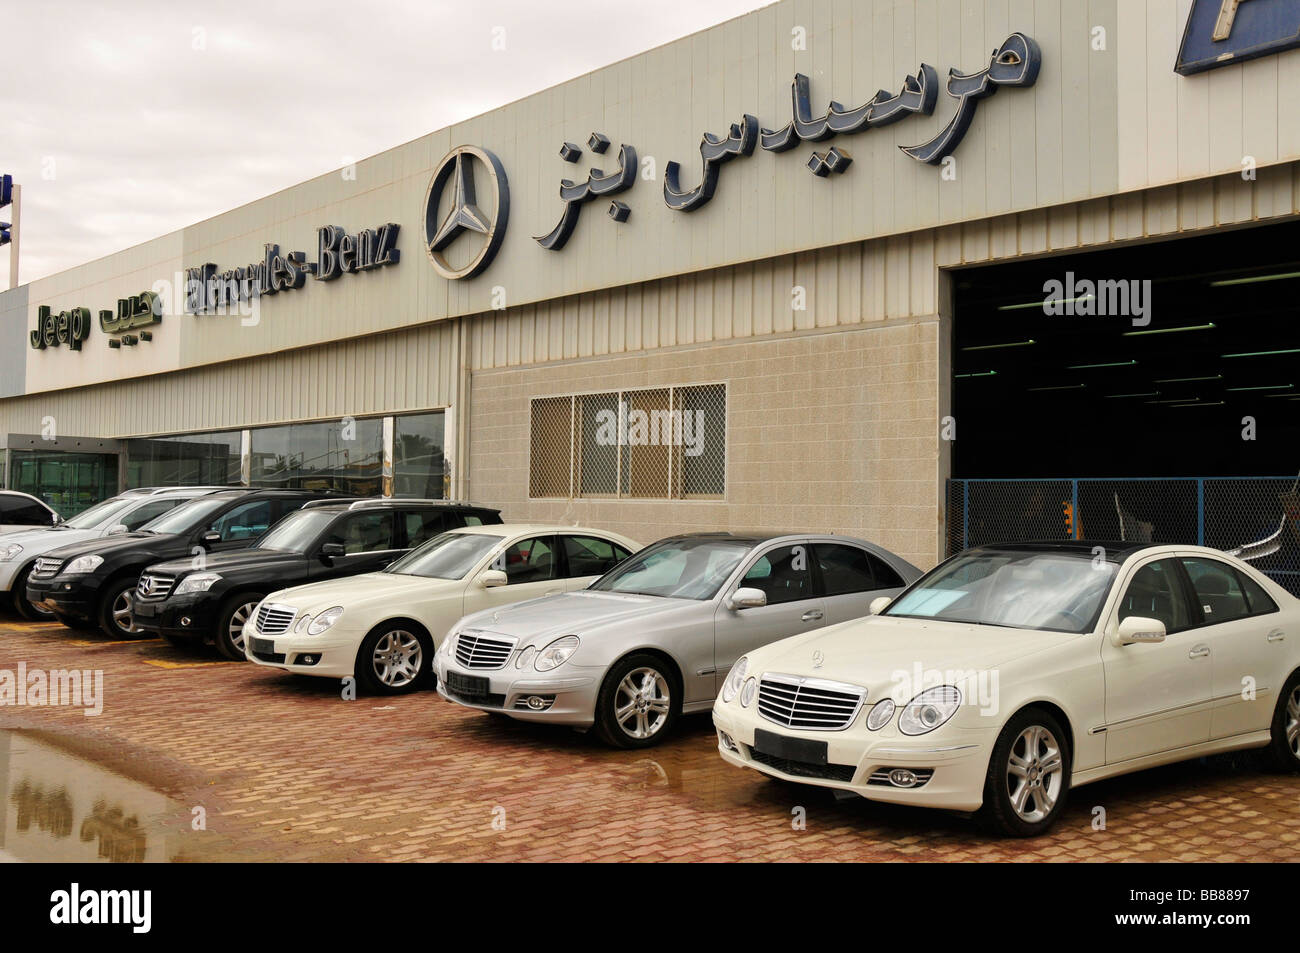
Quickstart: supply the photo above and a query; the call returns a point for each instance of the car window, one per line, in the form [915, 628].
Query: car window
[146, 512]
[529, 560]
[1259, 601]
[423, 525]
[471, 520]
[848, 569]
[20, 511]
[245, 522]
[590, 556]
[363, 532]
[1155, 593]
[1218, 590]
[783, 574]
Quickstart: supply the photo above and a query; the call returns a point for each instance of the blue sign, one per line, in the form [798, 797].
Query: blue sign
[1220, 32]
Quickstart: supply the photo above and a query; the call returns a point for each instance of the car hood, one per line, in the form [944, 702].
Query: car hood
[47, 538]
[387, 588]
[255, 559]
[879, 653]
[582, 612]
[104, 545]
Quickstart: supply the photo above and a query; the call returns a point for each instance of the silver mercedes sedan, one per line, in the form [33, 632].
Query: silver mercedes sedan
[654, 637]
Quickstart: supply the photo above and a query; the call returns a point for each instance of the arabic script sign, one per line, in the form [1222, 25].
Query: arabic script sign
[1220, 32]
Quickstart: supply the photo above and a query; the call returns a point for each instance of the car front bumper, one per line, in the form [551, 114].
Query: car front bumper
[954, 763]
[190, 616]
[67, 595]
[567, 694]
[9, 572]
[334, 651]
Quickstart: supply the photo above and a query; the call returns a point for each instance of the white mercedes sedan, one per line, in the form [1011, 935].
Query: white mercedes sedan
[1010, 674]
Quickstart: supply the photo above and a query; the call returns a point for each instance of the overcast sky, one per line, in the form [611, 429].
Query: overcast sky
[125, 121]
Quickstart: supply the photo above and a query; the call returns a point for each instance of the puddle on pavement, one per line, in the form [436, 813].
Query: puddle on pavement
[59, 807]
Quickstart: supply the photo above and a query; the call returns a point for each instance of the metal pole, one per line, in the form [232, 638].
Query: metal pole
[14, 232]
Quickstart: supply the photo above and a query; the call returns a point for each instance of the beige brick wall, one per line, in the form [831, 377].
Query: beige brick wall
[832, 431]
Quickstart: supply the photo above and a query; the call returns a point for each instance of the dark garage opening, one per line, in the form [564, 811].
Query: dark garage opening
[1094, 426]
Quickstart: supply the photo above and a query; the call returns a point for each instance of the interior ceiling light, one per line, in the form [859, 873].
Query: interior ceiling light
[1293, 350]
[979, 374]
[1085, 367]
[1175, 400]
[1212, 403]
[1046, 301]
[994, 347]
[1154, 393]
[1061, 387]
[1185, 380]
[1228, 282]
[1264, 387]
[1188, 327]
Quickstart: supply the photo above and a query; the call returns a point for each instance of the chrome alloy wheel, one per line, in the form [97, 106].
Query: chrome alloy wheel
[642, 703]
[122, 612]
[235, 631]
[397, 658]
[1293, 722]
[1035, 772]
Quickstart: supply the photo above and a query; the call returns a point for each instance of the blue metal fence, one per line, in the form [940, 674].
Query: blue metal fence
[1258, 515]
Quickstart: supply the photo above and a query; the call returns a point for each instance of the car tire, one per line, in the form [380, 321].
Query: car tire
[395, 658]
[639, 702]
[115, 607]
[1283, 750]
[228, 635]
[24, 606]
[1028, 778]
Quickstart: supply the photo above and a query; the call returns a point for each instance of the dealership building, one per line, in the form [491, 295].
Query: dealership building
[925, 271]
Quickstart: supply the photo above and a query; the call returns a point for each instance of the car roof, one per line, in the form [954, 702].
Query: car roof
[759, 536]
[1115, 551]
[502, 529]
[380, 502]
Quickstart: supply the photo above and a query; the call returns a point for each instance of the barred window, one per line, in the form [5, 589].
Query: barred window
[658, 443]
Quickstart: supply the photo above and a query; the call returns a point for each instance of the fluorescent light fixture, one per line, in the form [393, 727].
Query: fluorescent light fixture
[1293, 350]
[1187, 380]
[1045, 301]
[1228, 282]
[979, 374]
[994, 347]
[1176, 400]
[1061, 387]
[1154, 393]
[1188, 327]
[1213, 403]
[1085, 367]
[1264, 387]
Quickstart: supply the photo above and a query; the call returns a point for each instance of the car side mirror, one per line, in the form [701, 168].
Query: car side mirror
[207, 539]
[118, 528]
[333, 550]
[747, 598]
[492, 579]
[55, 519]
[1138, 630]
[879, 605]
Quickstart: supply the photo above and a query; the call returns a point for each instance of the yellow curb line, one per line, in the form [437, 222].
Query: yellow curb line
[90, 643]
[161, 664]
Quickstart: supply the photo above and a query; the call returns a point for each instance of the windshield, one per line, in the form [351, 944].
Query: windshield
[678, 569]
[447, 556]
[1058, 592]
[296, 532]
[185, 517]
[101, 514]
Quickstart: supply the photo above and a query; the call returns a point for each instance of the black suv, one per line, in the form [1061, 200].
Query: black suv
[185, 602]
[88, 585]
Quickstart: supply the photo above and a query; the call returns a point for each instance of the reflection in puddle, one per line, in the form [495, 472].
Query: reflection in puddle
[59, 807]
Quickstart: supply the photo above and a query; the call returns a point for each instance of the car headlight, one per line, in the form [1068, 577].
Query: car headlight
[880, 714]
[8, 553]
[448, 640]
[198, 582]
[298, 626]
[930, 709]
[84, 564]
[557, 653]
[747, 693]
[326, 619]
[735, 678]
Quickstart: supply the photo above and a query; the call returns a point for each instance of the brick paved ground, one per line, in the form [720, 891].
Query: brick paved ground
[287, 770]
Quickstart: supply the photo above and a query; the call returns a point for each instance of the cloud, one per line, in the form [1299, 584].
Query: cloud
[138, 118]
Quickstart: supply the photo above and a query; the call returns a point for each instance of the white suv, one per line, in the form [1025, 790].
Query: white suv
[121, 514]
[20, 512]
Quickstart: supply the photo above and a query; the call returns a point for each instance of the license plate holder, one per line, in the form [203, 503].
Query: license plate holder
[790, 749]
[468, 685]
[265, 646]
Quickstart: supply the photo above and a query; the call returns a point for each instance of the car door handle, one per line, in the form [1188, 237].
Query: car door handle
[553, 592]
[1277, 635]
[812, 615]
[1200, 651]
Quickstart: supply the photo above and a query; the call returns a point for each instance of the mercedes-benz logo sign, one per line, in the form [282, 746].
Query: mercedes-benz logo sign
[818, 658]
[460, 168]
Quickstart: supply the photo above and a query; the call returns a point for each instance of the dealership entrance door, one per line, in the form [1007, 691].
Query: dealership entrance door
[1155, 397]
[69, 474]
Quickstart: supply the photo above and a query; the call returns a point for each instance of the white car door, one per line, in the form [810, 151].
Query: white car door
[1157, 694]
[1243, 630]
[851, 579]
[531, 566]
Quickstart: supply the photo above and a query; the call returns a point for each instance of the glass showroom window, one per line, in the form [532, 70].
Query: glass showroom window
[69, 482]
[345, 455]
[201, 459]
[657, 443]
[419, 468]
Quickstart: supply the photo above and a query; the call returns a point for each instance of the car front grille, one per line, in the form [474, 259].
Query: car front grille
[47, 567]
[274, 619]
[483, 652]
[804, 769]
[808, 703]
[154, 587]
